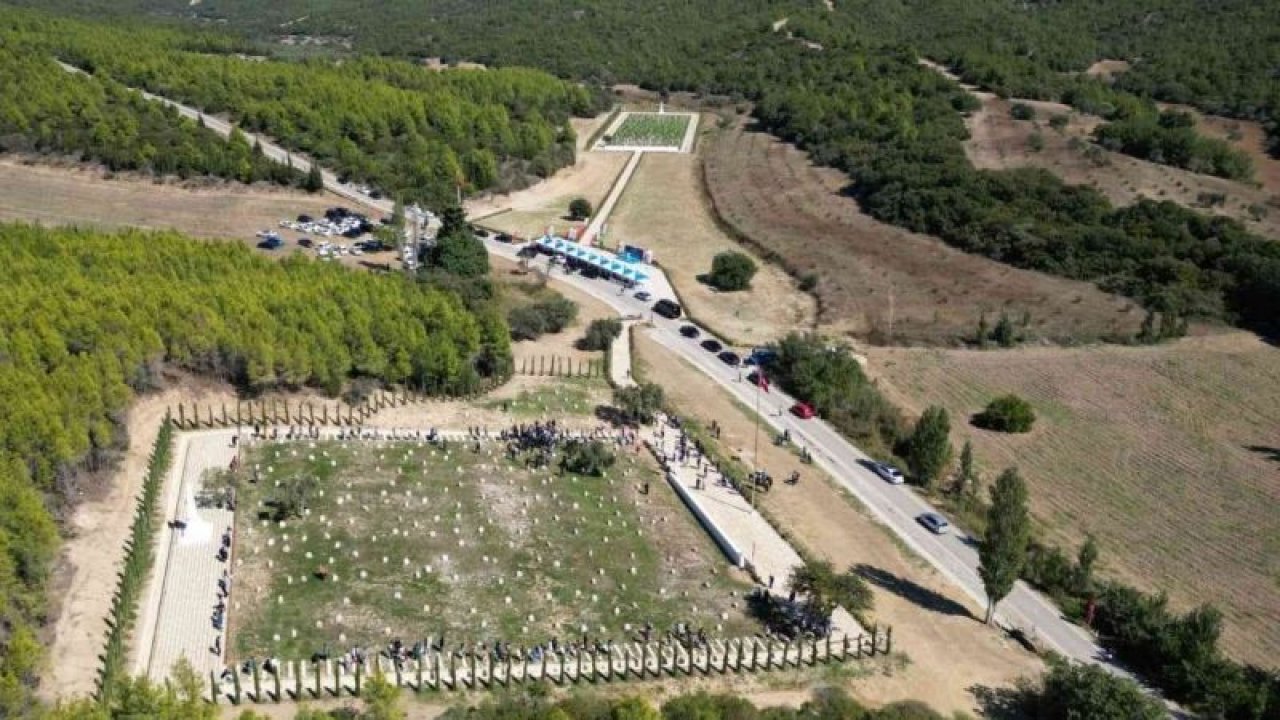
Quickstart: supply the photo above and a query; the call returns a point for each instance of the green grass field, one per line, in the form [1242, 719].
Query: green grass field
[650, 130]
[418, 541]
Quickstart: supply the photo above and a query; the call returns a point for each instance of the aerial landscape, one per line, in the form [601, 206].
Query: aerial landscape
[581, 359]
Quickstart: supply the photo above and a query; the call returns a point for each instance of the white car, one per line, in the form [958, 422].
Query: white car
[889, 473]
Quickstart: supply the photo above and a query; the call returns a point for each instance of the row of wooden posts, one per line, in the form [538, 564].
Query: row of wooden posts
[560, 366]
[300, 680]
[284, 412]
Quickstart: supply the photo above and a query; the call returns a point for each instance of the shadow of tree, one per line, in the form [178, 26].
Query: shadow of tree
[910, 590]
[999, 703]
[1270, 453]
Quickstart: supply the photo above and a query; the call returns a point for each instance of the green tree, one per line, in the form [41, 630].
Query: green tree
[1003, 550]
[1004, 333]
[1086, 558]
[1007, 413]
[1070, 691]
[600, 334]
[929, 447]
[640, 402]
[966, 482]
[314, 181]
[1022, 111]
[587, 458]
[579, 208]
[731, 271]
[824, 589]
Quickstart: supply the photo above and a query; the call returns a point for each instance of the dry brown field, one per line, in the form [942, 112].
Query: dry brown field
[999, 142]
[1169, 455]
[771, 193]
[84, 196]
[664, 209]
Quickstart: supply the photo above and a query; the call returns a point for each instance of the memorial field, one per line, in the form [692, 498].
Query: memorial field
[344, 544]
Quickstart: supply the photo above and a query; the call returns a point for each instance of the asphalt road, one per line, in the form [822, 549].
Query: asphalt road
[954, 555]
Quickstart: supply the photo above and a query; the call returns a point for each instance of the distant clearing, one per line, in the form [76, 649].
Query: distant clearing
[999, 142]
[86, 197]
[773, 194]
[1169, 455]
[1107, 69]
[650, 130]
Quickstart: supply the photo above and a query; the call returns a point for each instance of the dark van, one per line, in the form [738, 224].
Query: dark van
[669, 309]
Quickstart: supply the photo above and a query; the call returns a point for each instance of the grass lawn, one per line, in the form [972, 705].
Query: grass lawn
[650, 130]
[418, 540]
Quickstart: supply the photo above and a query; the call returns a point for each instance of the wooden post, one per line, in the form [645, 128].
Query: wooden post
[315, 667]
[298, 669]
[257, 682]
[888, 640]
[235, 681]
[224, 415]
[337, 680]
[542, 675]
[182, 414]
[239, 407]
[506, 679]
[213, 688]
[276, 675]
[420, 663]
[359, 677]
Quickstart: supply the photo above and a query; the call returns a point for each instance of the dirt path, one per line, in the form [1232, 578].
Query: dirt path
[91, 556]
[950, 652]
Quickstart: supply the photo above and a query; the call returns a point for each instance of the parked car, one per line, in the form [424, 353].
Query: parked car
[803, 410]
[305, 242]
[934, 523]
[889, 473]
[690, 331]
[762, 382]
[669, 309]
[730, 358]
[643, 296]
[712, 346]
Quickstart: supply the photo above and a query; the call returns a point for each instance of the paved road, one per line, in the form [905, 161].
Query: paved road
[954, 555]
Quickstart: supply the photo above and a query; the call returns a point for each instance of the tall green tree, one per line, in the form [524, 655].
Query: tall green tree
[929, 447]
[966, 482]
[1003, 550]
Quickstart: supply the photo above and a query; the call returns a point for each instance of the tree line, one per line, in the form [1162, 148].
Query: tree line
[411, 133]
[88, 319]
[48, 110]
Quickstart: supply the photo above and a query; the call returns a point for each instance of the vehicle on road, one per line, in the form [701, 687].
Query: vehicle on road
[934, 523]
[690, 331]
[730, 358]
[803, 410]
[762, 356]
[712, 346]
[889, 473]
[669, 309]
[643, 296]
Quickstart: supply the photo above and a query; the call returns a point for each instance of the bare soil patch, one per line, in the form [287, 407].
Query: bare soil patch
[89, 197]
[998, 142]
[1167, 454]
[665, 210]
[939, 629]
[1107, 69]
[772, 194]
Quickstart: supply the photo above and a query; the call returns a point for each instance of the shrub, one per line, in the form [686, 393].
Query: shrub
[1022, 111]
[1088, 691]
[529, 322]
[1008, 413]
[1058, 121]
[640, 402]
[587, 458]
[731, 271]
[579, 208]
[600, 334]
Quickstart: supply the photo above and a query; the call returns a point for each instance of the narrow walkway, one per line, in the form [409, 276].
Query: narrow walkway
[732, 517]
[606, 207]
[177, 620]
[620, 357]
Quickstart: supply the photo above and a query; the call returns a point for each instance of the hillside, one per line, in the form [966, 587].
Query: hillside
[1166, 454]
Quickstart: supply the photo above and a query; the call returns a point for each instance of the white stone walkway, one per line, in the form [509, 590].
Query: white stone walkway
[732, 517]
[176, 621]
